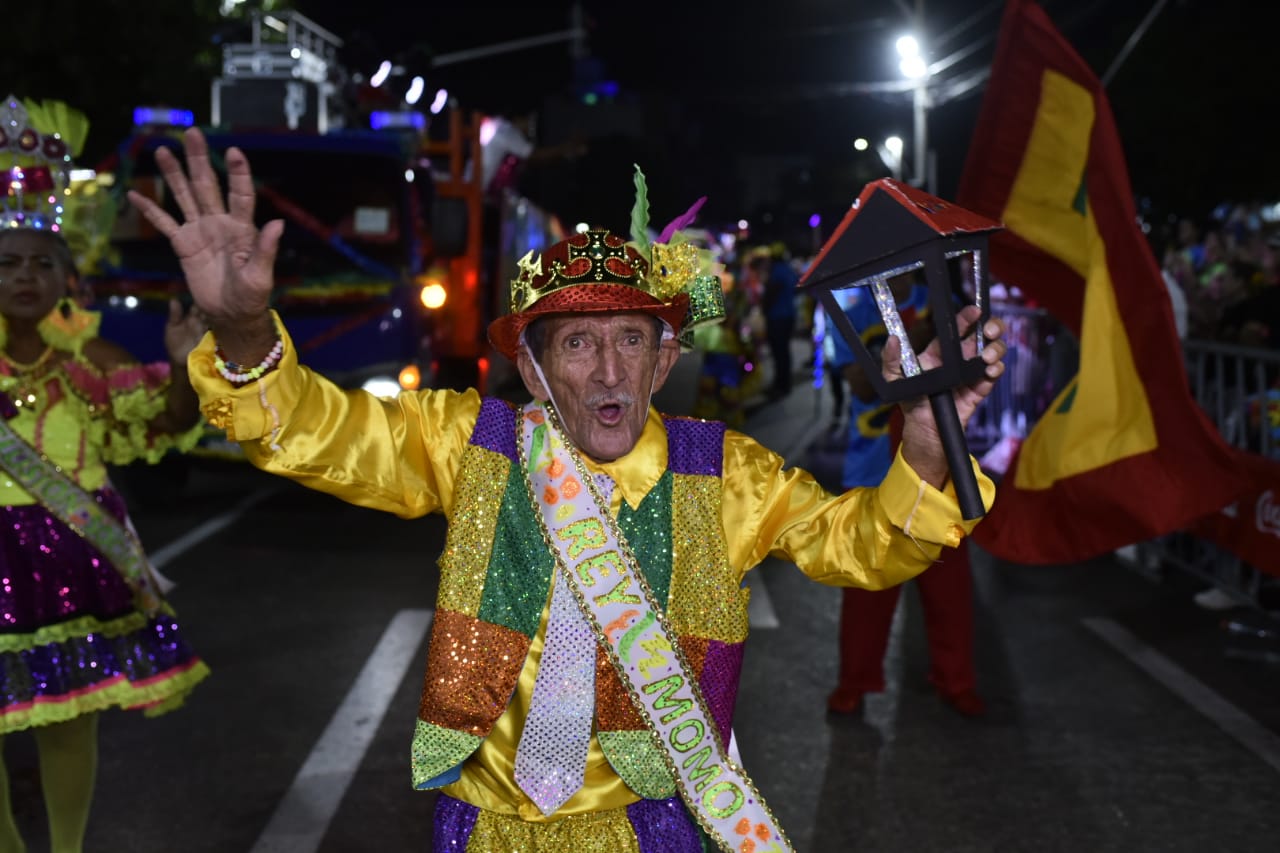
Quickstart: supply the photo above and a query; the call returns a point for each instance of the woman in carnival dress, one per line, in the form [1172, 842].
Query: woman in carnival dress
[82, 624]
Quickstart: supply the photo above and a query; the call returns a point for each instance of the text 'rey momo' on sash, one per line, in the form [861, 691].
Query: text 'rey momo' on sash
[607, 582]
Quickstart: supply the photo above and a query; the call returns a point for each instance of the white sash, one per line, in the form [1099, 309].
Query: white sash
[593, 557]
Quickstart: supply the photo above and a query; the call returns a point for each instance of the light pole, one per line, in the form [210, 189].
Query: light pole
[913, 66]
[891, 155]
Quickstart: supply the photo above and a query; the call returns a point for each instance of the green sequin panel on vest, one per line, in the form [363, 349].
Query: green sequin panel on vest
[648, 532]
[520, 564]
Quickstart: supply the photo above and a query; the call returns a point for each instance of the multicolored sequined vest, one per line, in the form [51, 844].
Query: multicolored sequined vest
[495, 578]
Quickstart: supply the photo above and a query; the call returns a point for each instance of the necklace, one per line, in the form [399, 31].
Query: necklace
[22, 389]
[27, 367]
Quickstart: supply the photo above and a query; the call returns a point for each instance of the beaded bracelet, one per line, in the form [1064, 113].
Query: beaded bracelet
[238, 374]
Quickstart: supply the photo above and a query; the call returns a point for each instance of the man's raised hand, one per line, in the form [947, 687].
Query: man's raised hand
[226, 259]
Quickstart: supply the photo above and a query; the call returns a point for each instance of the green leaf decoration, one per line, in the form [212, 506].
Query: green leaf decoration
[640, 213]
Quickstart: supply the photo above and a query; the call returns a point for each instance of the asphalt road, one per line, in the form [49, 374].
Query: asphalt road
[1122, 718]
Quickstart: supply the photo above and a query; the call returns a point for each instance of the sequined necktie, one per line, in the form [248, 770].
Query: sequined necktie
[552, 756]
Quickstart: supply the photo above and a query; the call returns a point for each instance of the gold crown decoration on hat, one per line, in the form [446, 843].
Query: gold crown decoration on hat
[591, 257]
[597, 257]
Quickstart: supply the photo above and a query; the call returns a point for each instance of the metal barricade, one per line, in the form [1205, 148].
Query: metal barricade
[1239, 388]
[1236, 386]
[1032, 377]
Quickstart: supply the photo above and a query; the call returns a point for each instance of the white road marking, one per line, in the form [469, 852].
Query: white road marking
[196, 535]
[760, 613]
[1253, 736]
[303, 815]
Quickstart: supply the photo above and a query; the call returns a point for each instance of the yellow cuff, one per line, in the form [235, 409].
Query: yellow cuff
[238, 410]
[925, 513]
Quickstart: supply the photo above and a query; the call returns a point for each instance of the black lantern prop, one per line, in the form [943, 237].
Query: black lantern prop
[894, 229]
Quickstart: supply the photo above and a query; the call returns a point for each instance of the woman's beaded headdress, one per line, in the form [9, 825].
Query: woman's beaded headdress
[35, 166]
[38, 144]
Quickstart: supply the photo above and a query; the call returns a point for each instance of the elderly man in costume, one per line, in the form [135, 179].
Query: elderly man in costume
[588, 636]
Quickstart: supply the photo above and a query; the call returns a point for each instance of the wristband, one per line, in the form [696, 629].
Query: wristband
[238, 374]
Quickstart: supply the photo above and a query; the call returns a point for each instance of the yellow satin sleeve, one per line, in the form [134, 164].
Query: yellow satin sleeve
[871, 538]
[400, 455]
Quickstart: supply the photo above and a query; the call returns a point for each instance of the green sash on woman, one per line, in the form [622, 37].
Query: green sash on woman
[77, 509]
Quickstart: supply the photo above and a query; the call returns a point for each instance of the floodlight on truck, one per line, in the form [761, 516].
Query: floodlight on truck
[162, 117]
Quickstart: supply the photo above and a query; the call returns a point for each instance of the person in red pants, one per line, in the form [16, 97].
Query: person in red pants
[946, 595]
[946, 588]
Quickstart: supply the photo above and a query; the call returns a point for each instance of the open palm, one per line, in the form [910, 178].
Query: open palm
[226, 259]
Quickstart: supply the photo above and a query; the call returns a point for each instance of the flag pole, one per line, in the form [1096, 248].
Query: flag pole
[1133, 41]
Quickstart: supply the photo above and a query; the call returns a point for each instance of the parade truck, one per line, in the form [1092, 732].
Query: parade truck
[356, 280]
[393, 258]
[377, 276]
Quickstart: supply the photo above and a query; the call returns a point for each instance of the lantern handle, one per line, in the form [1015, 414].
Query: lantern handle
[957, 451]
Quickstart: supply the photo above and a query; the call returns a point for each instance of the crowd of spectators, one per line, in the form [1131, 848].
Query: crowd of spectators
[1226, 270]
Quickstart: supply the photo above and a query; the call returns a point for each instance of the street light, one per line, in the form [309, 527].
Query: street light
[416, 87]
[891, 155]
[913, 66]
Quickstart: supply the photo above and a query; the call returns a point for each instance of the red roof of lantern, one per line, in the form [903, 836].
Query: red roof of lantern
[887, 218]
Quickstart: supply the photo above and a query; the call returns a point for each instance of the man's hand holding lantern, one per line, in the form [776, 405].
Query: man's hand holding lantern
[921, 442]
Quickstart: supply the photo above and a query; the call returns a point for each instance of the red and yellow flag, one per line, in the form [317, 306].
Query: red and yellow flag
[1124, 453]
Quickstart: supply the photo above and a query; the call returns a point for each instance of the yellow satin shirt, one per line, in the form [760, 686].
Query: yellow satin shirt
[402, 456]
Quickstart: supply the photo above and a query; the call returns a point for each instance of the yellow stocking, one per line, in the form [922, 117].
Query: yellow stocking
[68, 767]
[10, 840]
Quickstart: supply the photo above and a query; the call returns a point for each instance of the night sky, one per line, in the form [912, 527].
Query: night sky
[744, 78]
[753, 103]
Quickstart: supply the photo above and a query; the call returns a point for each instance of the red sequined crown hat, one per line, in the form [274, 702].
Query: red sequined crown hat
[596, 271]
[591, 272]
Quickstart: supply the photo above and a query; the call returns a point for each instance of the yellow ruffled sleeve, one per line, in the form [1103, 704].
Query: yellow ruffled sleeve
[398, 455]
[868, 537]
[137, 394]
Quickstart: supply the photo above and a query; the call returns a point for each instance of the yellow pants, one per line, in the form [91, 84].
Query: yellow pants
[647, 826]
[596, 832]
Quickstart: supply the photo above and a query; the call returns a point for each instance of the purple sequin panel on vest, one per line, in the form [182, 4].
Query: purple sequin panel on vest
[454, 822]
[496, 428]
[695, 447]
[719, 682]
[663, 826]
